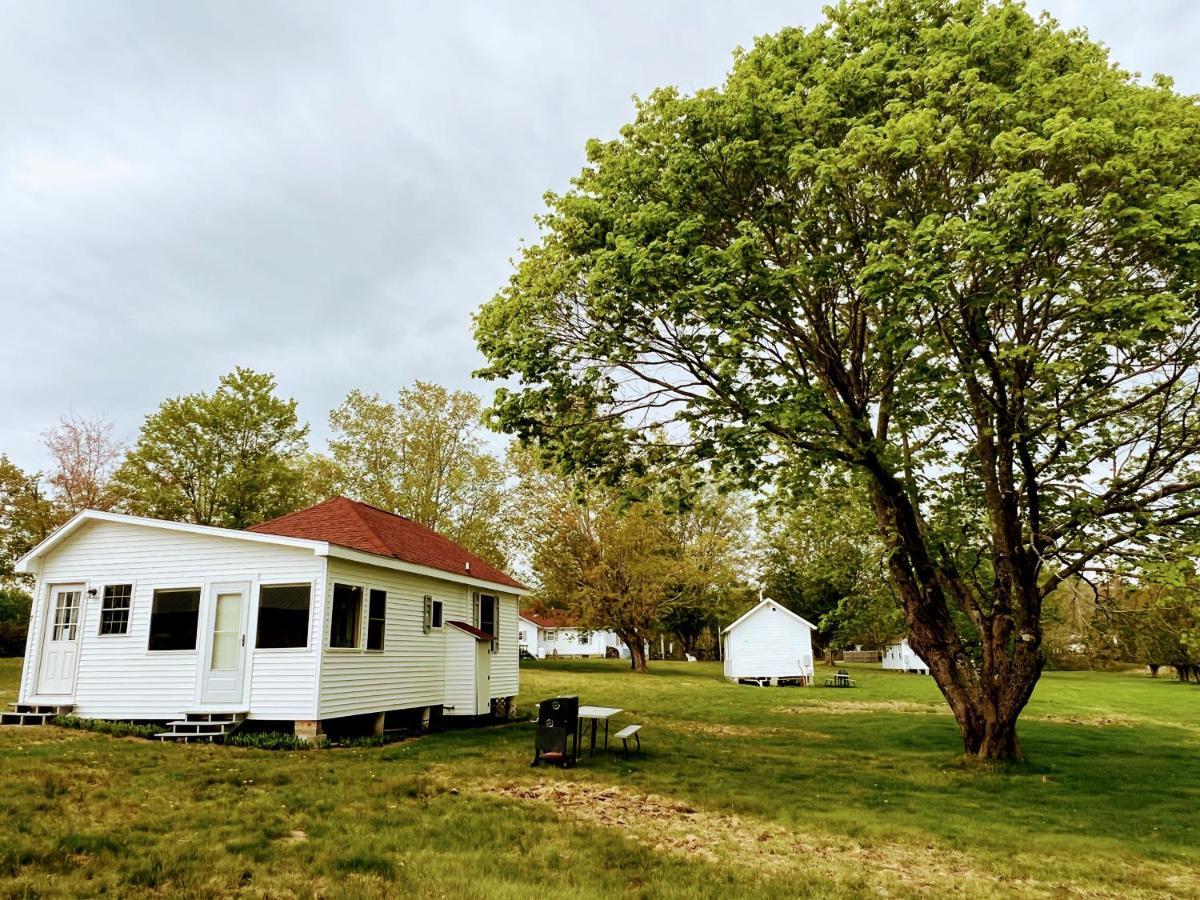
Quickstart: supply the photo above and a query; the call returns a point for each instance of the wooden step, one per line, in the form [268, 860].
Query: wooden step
[205, 725]
[32, 714]
[53, 709]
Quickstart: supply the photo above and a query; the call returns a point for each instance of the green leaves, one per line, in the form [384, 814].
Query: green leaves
[230, 458]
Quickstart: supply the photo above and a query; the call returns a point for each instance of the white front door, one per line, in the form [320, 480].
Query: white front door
[60, 641]
[225, 662]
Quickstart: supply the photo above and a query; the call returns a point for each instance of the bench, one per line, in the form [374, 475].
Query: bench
[630, 731]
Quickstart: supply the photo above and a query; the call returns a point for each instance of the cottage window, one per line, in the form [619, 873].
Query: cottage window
[436, 614]
[114, 608]
[283, 611]
[376, 619]
[347, 615]
[487, 618]
[174, 617]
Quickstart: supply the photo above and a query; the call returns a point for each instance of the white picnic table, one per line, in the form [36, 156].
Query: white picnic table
[596, 714]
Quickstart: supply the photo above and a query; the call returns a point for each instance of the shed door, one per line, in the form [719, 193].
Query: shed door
[225, 661]
[483, 678]
[60, 641]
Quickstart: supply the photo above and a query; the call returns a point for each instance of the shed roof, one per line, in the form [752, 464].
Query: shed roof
[360, 526]
[767, 603]
[477, 633]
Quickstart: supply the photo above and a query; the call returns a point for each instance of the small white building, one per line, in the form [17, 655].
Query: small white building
[904, 658]
[768, 644]
[337, 610]
[554, 633]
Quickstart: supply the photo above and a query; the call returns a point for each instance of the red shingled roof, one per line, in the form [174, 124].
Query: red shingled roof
[358, 526]
[552, 618]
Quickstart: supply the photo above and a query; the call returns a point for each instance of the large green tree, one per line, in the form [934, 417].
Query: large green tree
[942, 244]
[230, 458]
[422, 456]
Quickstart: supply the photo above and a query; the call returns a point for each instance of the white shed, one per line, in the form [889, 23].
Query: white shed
[904, 659]
[767, 644]
[337, 610]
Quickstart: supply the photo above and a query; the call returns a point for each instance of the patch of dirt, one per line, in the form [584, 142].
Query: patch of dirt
[295, 837]
[675, 827]
[1106, 721]
[722, 729]
[850, 707]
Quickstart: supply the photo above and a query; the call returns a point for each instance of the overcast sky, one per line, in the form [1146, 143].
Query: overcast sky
[324, 191]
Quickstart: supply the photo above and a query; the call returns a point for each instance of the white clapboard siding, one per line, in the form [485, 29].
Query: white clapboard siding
[769, 642]
[117, 677]
[505, 661]
[459, 691]
[411, 670]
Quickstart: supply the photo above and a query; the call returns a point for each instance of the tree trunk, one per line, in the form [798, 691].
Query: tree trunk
[637, 652]
[986, 698]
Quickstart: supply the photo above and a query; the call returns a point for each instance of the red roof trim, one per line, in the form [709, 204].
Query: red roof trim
[470, 629]
[360, 526]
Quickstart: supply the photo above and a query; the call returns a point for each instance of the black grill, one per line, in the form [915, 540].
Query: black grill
[557, 731]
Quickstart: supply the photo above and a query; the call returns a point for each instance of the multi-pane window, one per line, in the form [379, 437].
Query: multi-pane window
[283, 615]
[114, 608]
[66, 616]
[174, 618]
[376, 618]
[346, 615]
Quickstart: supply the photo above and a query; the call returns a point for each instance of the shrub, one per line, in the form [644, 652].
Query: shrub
[274, 740]
[116, 729]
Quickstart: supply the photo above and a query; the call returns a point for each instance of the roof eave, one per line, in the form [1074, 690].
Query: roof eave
[28, 564]
[336, 551]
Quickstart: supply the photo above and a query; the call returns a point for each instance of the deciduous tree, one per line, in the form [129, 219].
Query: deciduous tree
[85, 457]
[939, 243]
[27, 515]
[424, 457]
[628, 557]
[230, 458]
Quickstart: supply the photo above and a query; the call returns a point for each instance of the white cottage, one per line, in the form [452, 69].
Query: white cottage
[337, 610]
[768, 644]
[904, 658]
[554, 633]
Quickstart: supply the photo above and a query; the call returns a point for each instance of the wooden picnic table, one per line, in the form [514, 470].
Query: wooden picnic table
[596, 714]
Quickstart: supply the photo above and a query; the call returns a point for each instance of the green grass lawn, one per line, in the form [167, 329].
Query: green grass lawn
[741, 791]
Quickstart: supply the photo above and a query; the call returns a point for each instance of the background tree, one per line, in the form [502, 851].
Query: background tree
[15, 606]
[27, 516]
[822, 558]
[230, 458]
[85, 457]
[626, 558]
[937, 243]
[423, 457]
[713, 530]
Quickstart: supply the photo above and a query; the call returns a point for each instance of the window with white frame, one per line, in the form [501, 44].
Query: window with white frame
[115, 605]
[283, 611]
[174, 619]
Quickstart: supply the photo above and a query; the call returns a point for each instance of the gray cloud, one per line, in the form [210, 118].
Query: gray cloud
[323, 192]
